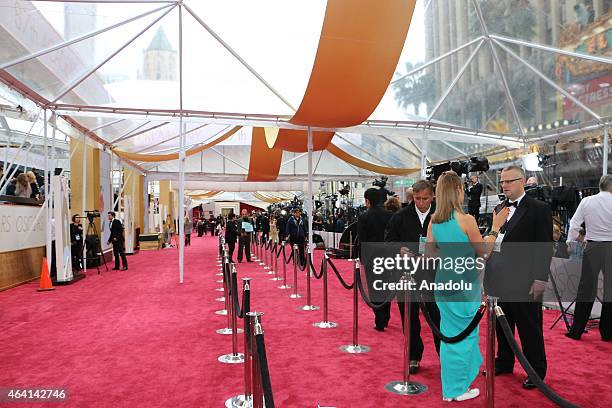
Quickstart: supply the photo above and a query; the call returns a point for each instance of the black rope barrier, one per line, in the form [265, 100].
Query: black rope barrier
[312, 268]
[263, 370]
[459, 337]
[533, 376]
[373, 305]
[246, 299]
[342, 282]
[287, 260]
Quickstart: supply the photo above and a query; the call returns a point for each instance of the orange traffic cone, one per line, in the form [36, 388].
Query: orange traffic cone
[45, 279]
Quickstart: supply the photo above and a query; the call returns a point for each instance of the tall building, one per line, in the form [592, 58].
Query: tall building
[452, 23]
[159, 59]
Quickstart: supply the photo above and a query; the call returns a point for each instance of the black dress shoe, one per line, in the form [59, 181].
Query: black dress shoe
[572, 336]
[115, 269]
[380, 329]
[414, 366]
[124, 268]
[528, 384]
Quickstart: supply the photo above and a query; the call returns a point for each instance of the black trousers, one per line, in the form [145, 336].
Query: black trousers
[187, 239]
[597, 257]
[244, 244]
[475, 212]
[119, 252]
[230, 248]
[527, 318]
[301, 250]
[76, 252]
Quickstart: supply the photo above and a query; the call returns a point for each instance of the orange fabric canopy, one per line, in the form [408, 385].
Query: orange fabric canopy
[265, 161]
[360, 45]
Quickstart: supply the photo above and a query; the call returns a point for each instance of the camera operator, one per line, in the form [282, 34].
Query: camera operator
[76, 242]
[116, 237]
[474, 191]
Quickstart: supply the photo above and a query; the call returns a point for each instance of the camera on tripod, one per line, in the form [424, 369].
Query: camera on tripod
[91, 215]
[460, 167]
[381, 184]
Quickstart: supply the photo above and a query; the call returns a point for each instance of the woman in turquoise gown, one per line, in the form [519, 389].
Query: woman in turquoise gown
[455, 236]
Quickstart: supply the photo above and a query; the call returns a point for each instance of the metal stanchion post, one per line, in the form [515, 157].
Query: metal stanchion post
[490, 356]
[228, 328]
[246, 400]
[275, 264]
[284, 285]
[308, 305]
[255, 373]
[268, 262]
[406, 387]
[223, 311]
[234, 357]
[325, 324]
[350, 244]
[295, 294]
[355, 348]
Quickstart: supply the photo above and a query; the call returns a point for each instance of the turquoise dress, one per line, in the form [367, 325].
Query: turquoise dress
[460, 362]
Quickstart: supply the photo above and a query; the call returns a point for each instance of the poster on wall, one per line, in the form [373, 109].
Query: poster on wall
[61, 219]
[105, 197]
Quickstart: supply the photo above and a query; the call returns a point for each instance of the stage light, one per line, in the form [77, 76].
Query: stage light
[531, 162]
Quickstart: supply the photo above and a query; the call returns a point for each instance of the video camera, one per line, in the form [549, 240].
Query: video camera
[381, 184]
[460, 167]
[91, 215]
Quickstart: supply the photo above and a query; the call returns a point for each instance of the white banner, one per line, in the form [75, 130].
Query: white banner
[15, 224]
[105, 199]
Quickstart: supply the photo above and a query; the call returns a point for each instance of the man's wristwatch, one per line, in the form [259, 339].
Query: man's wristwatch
[494, 233]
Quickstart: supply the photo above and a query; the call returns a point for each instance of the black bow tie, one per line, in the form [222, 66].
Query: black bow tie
[512, 204]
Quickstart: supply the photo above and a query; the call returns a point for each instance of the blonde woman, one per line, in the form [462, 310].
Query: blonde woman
[22, 187]
[33, 184]
[273, 229]
[454, 234]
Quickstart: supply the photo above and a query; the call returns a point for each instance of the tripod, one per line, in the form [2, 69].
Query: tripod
[96, 254]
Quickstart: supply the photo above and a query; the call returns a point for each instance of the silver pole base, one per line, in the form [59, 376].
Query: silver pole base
[309, 307]
[325, 325]
[222, 312]
[270, 272]
[284, 287]
[406, 388]
[355, 349]
[219, 289]
[219, 281]
[276, 278]
[219, 274]
[231, 358]
[220, 299]
[228, 330]
[238, 402]
[261, 263]
[295, 296]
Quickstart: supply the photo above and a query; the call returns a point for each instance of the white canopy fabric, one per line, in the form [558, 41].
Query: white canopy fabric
[490, 77]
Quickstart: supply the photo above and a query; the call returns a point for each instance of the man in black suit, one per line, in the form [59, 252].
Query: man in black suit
[371, 228]
[231, 235]
[409, 225]
[245, 227]
[474, 191]
[517, 272]
[116, 237]
[297, 232]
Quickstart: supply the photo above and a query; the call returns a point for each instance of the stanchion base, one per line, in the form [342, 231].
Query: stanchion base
[284, 287]
[228, 330]
[219, 281]
[309, 307]
[219, 289]
[238, 402]
[220, 299]
[355, 348]
[406, 388]
[270, 272]
[261, 264]
[325, 325]
[295, 296]
[276, 278]
[222, 312]
[231, 358]
[219, 274]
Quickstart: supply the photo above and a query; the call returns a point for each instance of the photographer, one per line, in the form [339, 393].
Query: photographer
[116, 237]
[474, 191]
[76, 242]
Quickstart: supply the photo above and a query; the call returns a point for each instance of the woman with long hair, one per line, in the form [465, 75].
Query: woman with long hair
[273, 229]
[453, 235]
[22, 187]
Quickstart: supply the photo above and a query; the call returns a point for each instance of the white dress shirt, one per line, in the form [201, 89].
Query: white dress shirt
[596, 213]
[512, 209]
[422, 215]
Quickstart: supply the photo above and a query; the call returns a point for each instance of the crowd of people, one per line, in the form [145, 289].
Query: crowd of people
[23, 185]
[517, 269]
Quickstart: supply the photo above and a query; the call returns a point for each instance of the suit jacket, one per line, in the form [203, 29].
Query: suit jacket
[526, 252]
[231, 232]
[116, 231]
[405, 226]
[296, 230]
[372, 223]
[474, 194]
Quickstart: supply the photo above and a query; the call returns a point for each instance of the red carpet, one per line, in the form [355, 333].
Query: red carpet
[140, 339]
